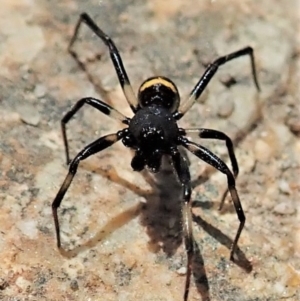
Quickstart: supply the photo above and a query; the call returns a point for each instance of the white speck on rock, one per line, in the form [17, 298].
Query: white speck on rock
[28, 228]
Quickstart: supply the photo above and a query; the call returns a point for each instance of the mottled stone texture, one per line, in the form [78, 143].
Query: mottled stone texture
[121, 231]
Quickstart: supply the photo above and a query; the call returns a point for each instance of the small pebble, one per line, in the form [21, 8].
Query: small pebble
[3, 284]
[74, 285]
[124, 17]
[284, 187]
[294, 125]
[22, 283]
[29, 114]
[262, 151]
[181, 271]
[279, 288]
[227, 80]
[28, 228]
[225, 107]
[39, 91]
[284, 208]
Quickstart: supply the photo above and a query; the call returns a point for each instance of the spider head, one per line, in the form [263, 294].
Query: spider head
[151, 160]
[159, 91]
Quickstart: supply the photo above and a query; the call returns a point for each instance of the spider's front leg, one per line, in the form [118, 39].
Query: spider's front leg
[114, 54]
[95, 147]
[182, 171]
[95, 103]
[210, 72]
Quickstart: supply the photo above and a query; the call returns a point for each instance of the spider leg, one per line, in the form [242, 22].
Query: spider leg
[213, 134]
[95, 147]
[182, 171]
[114, 54]
[95, 103]
[210, 158]
[210, 72]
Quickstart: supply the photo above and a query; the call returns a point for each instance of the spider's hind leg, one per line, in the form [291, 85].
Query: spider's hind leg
[210, 158]
[213, 134]
[181, 167]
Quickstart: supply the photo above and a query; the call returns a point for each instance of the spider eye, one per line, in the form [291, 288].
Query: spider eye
[159, 91]
[129, 141]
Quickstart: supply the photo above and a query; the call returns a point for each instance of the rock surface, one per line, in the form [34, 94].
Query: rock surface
[121, 231]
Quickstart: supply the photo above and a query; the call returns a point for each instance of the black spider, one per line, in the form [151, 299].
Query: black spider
[153, 132]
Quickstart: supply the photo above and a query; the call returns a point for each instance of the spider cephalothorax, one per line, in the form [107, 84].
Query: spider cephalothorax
[153, 132]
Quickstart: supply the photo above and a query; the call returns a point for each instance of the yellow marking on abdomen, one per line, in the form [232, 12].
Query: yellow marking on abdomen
[158, 80]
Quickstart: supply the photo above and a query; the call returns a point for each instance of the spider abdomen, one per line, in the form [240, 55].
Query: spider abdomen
[159, 91]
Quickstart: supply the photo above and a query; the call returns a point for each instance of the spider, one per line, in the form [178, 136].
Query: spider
[153, 133]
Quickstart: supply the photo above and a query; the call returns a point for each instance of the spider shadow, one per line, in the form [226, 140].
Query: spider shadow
[160, 215]
[162, 218]
[225, 202]
[115, 223]
[240, 257]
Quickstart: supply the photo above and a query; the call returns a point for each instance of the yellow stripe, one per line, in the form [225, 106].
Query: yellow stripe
[158, 80]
